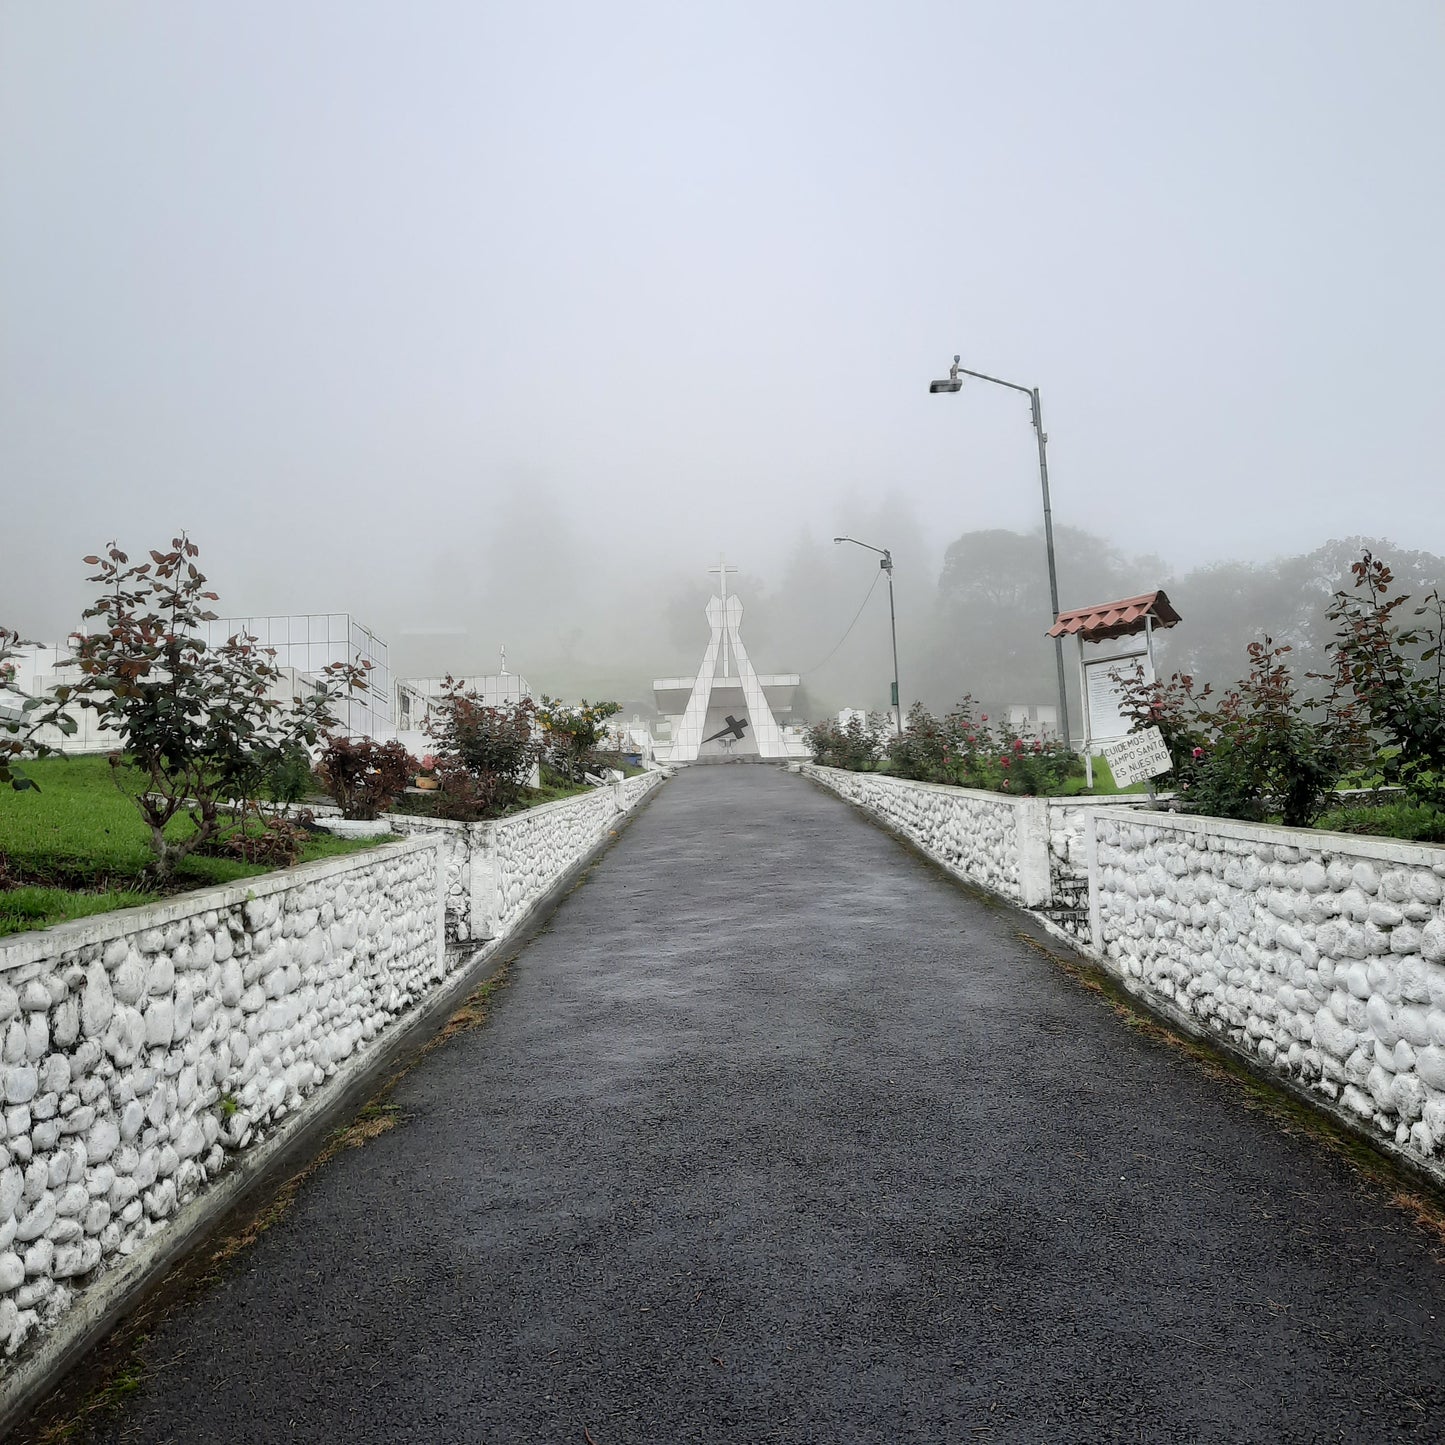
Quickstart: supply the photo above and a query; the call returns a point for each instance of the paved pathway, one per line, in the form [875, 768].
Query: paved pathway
[777, 1135]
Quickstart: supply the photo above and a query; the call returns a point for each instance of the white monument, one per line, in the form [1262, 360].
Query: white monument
[728, 709]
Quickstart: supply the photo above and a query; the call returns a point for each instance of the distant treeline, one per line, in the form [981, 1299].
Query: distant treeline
[980, 628]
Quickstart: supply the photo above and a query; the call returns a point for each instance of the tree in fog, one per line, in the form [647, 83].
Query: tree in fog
[1228, 605]
[992, 610]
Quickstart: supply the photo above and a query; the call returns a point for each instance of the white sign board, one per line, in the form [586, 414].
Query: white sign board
[1105, 720]
[1103, 696]
[1140, 755]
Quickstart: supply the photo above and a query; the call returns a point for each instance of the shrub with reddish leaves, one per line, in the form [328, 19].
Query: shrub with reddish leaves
[364, 777]
[484, 754]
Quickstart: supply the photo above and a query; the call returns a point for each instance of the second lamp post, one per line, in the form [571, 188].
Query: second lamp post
[887, 565]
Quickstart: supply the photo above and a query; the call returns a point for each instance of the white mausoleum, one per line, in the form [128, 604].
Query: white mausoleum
[308, 643]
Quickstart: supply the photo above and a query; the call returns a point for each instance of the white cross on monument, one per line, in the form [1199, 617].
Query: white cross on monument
[722, 569]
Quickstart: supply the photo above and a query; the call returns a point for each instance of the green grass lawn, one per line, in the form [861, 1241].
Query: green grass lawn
[553, 789]
[1413, 822]
[1104, 785]
[82, 848]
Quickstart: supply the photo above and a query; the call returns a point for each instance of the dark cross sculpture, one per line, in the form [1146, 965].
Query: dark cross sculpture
[734, 730]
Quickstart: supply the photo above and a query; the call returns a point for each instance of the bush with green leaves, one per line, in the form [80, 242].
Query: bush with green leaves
[1291, 750]
[927, 749]
[290, 778]
[961, 748]
[1036, 766]
[855, 745]
[964, 748]
[1178, 707]
[205, 725]
[571, 733]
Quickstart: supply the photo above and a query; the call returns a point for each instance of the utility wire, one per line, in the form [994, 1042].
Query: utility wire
[808, 671]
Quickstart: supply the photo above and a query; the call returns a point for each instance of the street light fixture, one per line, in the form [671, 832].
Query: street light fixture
[887, 565]
[954, 382]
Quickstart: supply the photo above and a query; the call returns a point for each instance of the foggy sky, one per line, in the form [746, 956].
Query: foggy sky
[496, 323]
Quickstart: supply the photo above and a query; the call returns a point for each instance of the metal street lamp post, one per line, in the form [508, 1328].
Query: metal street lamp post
[956, 373]
[887, 565]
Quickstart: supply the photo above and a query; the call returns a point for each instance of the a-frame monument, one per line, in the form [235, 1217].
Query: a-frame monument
[730, 710]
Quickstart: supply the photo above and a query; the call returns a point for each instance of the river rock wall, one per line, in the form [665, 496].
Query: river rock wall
[1320, 954]
[497, 871]
[533, 849]
[142, 1050]
[996, 842]
[145, 1054]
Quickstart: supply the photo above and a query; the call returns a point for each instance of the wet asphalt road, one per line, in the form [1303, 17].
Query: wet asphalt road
[778, 1135]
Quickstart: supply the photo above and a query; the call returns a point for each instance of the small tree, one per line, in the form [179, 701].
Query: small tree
[1264, 748]
[203, 725]
[1276, 749]
[1178, 708]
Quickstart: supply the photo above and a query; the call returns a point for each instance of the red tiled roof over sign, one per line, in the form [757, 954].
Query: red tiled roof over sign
[1115, 619]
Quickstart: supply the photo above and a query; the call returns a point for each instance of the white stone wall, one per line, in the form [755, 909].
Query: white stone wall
[457, 844]
[1069, 859]
[535, 848]
[1321, 954]
[983, 837]
[496, 871]
[631, 791]
[143, 1050]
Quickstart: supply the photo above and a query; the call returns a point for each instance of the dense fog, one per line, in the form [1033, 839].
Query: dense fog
[496, 325]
